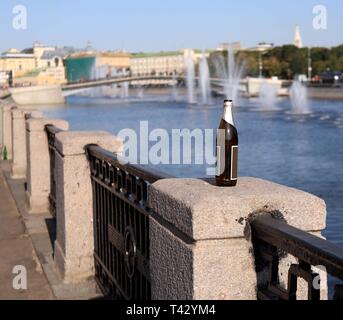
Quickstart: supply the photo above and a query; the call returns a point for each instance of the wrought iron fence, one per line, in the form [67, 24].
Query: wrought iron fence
[121, 238]
[121, 225]
[51, 131]
[273, 239]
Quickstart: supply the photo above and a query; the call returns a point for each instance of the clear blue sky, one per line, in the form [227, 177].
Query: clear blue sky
[153, 25]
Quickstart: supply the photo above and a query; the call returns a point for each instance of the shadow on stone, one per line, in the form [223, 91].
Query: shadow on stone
[51, 226]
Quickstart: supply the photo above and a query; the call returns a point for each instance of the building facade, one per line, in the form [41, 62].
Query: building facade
[51, 63]
[90, 65]
[262, 47]
[171, 63]
[118, 60]
[37, 65]
[224, 46]
[161, 63]
[17, 62]
[39, 50]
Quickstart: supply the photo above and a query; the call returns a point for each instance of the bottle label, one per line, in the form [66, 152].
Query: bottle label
[234, 163]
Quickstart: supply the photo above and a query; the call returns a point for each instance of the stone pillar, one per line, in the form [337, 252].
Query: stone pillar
[7, 129]
[200, 246]
[74, 245]
[2, 104]
[18, 170]
[38, 163]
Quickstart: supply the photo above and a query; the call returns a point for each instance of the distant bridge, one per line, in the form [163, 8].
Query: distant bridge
[56, 93]
[73, 88]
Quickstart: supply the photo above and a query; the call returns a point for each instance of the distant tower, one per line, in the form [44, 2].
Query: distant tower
[297, 37]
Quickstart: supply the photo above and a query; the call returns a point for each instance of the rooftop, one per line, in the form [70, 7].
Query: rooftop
[7, 55]
[156, 54]
[87, 54]
[58, 52]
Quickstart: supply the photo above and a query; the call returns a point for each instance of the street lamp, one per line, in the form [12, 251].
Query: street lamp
[260, 62]
[309, 63]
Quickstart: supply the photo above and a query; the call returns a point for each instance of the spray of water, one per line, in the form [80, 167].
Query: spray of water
[231, 73]
[173, 86]
[99, 73]
[267, 99]
[234, 75]
[140, 92]
[114, 87]
[190, 76]
[124, 86]
[299, 99]
[204, 80]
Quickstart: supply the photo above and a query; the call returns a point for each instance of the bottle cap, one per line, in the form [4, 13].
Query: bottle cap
[228, 103]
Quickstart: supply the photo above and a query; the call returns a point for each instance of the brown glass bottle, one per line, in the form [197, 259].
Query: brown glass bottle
[227, 139]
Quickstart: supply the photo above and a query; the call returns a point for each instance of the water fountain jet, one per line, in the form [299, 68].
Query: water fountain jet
[234, 76]
[204, 80]
[190, 76]
[124, 86]
[174, 89]
[231, 73]
[267, 96]
[299, 99]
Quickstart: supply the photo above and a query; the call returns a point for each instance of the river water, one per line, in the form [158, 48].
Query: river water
[300, 151]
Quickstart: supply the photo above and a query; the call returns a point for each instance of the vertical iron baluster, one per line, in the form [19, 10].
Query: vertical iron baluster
[120, 212]
[106, 216]
[147, 225]
[95, 220]
[103, 244]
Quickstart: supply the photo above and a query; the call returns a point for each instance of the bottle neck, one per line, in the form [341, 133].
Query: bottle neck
[227, 115]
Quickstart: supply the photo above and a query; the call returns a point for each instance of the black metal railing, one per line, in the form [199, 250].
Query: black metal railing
[121, 225]
[121, 239]
[273, 239]
[51, 131]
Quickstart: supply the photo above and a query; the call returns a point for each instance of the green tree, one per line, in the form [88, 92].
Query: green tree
[285, 61]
